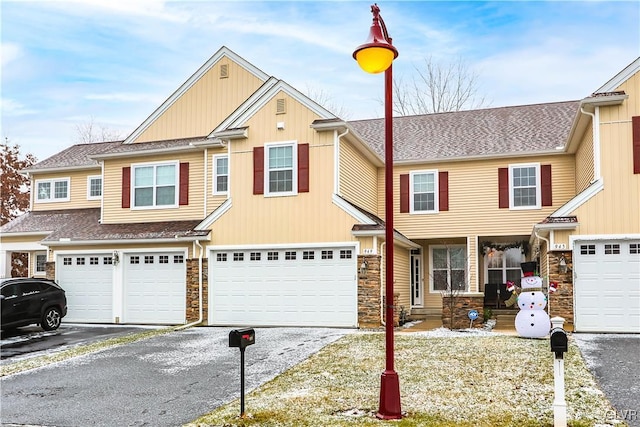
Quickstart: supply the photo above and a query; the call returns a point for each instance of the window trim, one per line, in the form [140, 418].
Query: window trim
[214, 167]
[155, 165]
[89, 179]
[294, 168]
[436, 192]
[466, 267]
[52, 190]
[538, 204]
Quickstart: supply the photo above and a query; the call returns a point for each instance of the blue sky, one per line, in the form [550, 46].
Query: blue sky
[113, 62]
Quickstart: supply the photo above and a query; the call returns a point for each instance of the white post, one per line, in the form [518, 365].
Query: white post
[559, 403]
[5, 264]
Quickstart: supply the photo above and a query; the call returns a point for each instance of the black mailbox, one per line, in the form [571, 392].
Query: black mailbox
[559, 342]
[242, 338]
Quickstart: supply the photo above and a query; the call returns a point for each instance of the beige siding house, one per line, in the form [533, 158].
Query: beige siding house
[240, 201]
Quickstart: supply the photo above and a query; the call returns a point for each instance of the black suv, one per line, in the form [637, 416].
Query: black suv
[29, 300]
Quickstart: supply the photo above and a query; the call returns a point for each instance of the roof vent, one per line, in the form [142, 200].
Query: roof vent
[224, 71]
[281, 106]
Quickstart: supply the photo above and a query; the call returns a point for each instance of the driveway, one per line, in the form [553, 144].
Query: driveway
[614, 360]
[32, 341]
[166, 380]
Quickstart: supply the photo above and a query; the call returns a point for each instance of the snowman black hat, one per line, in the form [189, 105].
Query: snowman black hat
[528, 268]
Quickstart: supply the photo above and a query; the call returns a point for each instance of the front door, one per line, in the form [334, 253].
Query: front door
[416, 278]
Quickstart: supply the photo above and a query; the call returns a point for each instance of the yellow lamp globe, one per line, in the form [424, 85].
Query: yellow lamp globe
[374, 59]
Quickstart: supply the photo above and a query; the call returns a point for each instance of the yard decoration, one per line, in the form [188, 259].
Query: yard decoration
[532, 321]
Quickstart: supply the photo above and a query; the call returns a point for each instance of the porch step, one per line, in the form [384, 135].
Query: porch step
[506, 320]
[424, 314]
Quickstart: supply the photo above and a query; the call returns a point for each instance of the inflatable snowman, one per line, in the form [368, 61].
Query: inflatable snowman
[532, 321]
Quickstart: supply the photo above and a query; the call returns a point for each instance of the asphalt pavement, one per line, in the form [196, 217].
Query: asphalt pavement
[166, 380]
[31, 341]
[614, 361]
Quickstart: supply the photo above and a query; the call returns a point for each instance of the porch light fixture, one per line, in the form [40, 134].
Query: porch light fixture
[363, 269]
[562, 264]
[116, 258]
[375, 56]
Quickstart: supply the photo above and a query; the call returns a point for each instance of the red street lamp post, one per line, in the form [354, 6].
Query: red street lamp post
[375, 56]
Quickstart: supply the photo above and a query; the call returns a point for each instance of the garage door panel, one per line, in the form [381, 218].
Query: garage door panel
[88, 283]
[155, 288]
[607, 291]
[277, 289]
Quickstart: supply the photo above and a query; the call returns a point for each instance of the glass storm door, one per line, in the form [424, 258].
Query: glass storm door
[416, 278]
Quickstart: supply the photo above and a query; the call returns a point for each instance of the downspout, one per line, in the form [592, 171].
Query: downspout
[547, 263]
[595, 119]
[382, 261]
[336, 180]
[206, 174]
[200, 312]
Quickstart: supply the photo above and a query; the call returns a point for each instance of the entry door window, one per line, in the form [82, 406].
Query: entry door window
[416, 278]
[504, 266]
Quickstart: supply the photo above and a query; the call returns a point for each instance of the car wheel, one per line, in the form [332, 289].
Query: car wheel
[51, 319]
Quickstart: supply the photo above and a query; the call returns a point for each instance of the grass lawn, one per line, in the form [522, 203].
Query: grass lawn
[496, 380]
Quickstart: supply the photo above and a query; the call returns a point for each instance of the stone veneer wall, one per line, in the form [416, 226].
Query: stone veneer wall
[561, 301]
[461, 306]
[50, 270]
[369, 292]
[193, 292]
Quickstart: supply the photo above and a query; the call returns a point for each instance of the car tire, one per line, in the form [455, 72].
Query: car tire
[51, 319]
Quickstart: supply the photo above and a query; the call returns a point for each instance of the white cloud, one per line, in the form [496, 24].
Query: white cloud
[10, 52]
[14, 108]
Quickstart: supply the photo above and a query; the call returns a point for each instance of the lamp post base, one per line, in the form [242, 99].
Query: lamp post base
[389, 397]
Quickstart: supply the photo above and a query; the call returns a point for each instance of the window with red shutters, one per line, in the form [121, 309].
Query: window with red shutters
[503, 188]
[258, 170]
[545, 185]
[126, 187]
[443, 195]
[183, 198]
[303, 168]
[404, 193]
[635, 125]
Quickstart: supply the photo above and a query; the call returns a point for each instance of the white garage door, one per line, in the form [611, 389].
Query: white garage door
[283, 287]
[607, 286]
[155, 288]
[88, 283]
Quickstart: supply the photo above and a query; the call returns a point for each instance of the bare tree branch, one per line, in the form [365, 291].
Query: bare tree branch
[89, 132]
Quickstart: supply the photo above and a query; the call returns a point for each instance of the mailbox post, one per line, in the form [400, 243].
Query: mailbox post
[559, 346]
[241, 338]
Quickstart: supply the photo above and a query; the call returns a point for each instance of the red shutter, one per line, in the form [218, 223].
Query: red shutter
[258, 170]
[303, 168]
[545, 185]
[443, 191]
[635, 125]
[404, 193]
[184, 184]
[503, 187]
[126, 187]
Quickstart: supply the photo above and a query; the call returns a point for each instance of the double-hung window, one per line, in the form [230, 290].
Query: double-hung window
[524, 186]
[424, 192]
[53, 190]
[220, 174]
[155, 185]
[94, 187]
[281, 169]
[448, 268]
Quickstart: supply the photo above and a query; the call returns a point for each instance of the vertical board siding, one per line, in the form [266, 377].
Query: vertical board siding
[616, 209]
[358, 178]
[256, 219]
[203, 106]
[584, 161]
[113, 212]
[77, 190]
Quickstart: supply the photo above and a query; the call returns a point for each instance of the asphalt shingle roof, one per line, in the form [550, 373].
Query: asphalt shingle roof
[84, 225]
[474, 133]
[79, 155]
